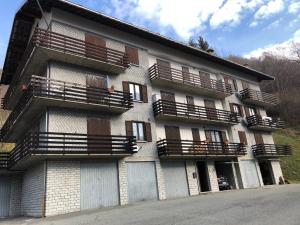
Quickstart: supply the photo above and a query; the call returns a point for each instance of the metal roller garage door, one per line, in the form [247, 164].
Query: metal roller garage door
[141, 180]
[249, 171]
[4, 196]
[175, 179]
[99, 185]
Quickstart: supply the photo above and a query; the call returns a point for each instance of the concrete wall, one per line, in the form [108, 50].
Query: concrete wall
[33, 191]
[277, 172]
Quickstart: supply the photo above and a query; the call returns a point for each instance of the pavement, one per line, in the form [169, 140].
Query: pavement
[271, 205]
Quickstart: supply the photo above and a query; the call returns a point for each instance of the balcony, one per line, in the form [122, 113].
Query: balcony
[258, 98]
[4, 158]
[168, 148]
[167, 110]
[256, 122]
[271, 151]
[42, 92]
[50, 145]
[173, 78]
[46, 45]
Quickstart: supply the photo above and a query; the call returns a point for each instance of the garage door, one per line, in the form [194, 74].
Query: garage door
[249, 173]
[4, 196]
[141, 181]
[99, 185]
[175, 179]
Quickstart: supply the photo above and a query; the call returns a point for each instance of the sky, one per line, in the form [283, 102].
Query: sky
[240, 27]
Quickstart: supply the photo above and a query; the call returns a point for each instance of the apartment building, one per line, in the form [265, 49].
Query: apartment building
[105, 113]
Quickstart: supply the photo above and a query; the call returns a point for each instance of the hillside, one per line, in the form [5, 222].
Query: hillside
[290, 165]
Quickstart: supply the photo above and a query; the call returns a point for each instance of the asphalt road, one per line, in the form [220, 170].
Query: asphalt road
[274, 205]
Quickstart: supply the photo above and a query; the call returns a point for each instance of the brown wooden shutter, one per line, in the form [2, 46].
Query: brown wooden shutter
[126, 86]
[132, 55]
[241, 110]
[196, 135]
[226, 80]
[223, 136]
[144, 93]
[148, 132]
[258, 138]
[247, 113]
[128, 127]
[208, 136]
[231, 107]
[245, 85]
[235, 85]
[242, 136]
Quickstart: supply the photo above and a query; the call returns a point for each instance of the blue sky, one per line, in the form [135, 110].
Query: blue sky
[240, 27]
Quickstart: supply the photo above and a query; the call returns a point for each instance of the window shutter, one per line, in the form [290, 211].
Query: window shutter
[231, 107]
[241, 110]
[226, 80]
[235, 85]
[132, 55]
[144, 93]
[224, 137]
[126, 86]
[128, 127]
[208, 136]
[246, 111]
[148, 132]
[196, 135]
[242, 136]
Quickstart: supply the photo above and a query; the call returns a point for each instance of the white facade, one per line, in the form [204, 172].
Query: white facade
[54, 186]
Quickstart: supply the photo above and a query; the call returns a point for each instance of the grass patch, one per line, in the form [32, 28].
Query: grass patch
[290, 165]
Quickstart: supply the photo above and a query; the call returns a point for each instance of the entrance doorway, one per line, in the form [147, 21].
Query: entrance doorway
[203, 176]
[266, 172]
[225, 175]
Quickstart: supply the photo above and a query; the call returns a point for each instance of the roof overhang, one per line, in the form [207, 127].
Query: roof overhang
[29, 10]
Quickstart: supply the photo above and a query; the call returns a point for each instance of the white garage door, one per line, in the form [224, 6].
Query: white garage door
[4, 196]
[250, 177]
[99, 185]
[175, 179]
[141, 181]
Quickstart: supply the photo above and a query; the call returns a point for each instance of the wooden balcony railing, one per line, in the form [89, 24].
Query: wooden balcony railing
[270, 150]
[68, 92]
[4, 159]
[67, 45]
[70, 144]
[169, 147]
[194, 112]
[178, 76]
[258, 97]
[257, 120]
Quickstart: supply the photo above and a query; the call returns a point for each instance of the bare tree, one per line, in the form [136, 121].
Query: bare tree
[201, 43]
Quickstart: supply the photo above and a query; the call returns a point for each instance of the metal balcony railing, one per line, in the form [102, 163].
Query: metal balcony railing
[178, 76]
[271, 150]
[68, 92]
[257, 120]
[258, 97]
[69, 144]
[194, 112]
[169, 147]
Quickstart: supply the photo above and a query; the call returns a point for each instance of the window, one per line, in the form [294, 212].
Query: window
[138, 130]
[138, 91]
[141, 130]
[231, 81]
[135, 90]
[236, 108]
